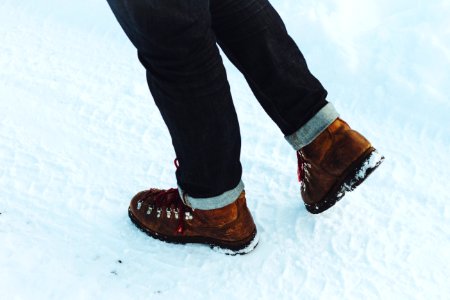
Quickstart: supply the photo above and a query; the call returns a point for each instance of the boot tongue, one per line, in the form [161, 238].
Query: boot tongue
[172, 197]
[301, 167]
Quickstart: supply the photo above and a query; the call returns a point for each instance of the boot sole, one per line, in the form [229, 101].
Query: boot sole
[359, 171]
[228, 248]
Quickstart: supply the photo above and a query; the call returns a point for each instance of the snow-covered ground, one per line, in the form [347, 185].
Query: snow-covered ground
[80, 135]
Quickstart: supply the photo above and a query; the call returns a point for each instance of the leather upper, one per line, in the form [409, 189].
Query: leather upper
[230, 223]
[328, 158]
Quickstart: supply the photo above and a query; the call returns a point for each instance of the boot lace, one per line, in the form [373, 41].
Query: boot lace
[171, 200]
[301, 167]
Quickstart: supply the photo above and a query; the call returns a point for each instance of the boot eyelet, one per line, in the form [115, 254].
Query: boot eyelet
[139, 205]
[149, 210]
[188, 216]
[158, 212]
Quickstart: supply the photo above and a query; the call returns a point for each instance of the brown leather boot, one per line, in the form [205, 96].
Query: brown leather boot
[163, 215]
[337, 161]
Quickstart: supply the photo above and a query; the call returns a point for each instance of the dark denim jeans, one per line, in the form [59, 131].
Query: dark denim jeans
[176, 43]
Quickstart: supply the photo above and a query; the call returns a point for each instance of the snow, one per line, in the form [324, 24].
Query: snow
[80, 135]
[372, 162]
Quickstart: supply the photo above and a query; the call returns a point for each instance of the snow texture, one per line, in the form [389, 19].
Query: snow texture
[80, 135]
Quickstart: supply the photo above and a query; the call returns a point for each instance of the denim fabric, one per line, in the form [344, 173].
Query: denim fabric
[315, 126]
[177, 44]
[215, 202]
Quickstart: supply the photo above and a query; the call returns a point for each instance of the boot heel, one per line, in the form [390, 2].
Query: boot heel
[242, 249]
[367, 165]
[360, 170]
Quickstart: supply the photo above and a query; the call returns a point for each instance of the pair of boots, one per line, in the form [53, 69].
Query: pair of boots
[337, 161]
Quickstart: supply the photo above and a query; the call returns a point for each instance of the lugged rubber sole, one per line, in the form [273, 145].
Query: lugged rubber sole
[359, 171]
[224, 247]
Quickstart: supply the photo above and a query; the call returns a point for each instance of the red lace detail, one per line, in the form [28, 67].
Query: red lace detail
[180, 227]
[301, 167]
[171, 199]
[164, 198]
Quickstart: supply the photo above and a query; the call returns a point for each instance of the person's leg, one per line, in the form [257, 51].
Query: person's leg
[188, 82]
[253, 36]
[332, 158]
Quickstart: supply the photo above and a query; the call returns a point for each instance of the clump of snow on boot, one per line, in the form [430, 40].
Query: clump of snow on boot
[368, 166]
